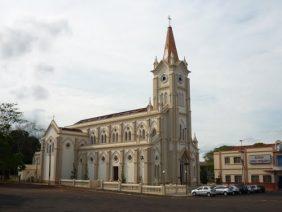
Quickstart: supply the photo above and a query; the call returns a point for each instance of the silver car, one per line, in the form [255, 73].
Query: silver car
[203, 191]
[223, 189]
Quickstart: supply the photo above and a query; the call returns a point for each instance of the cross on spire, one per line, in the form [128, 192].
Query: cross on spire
[169, 20]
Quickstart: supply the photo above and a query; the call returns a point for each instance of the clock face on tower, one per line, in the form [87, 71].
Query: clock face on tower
[163, 78]
[180, 79]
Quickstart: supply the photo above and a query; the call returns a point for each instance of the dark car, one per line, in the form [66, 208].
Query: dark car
[261, 188]
[242, 188]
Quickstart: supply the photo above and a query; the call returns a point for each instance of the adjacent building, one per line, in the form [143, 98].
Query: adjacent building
[149, 145]
[252, 164]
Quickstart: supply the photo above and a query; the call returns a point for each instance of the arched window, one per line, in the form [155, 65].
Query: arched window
[143, 134]
[116, 137]
[180, 132]
[161, 98]
[103, 136]
[113, 137]
[127, 134]
[92, 139]
[165, 98]
[53, 147]
[154, 132]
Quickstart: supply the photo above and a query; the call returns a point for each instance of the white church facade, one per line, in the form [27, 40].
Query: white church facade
[150, 145]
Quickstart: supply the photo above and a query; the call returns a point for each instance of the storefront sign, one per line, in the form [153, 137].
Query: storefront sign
[260, 159]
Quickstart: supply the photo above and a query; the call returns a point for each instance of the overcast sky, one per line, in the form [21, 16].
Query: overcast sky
[79, 59]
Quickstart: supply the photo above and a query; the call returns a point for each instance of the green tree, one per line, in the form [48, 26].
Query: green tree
[17, 146]
[9, 115]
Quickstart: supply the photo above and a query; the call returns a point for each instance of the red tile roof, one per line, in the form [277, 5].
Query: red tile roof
[70, 129]
[238, 148]
[113, 115]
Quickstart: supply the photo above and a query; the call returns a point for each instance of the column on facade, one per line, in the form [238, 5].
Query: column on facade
[54, 154]
[58, 160]
[136, 162]
[147, 166]
[110, 134]
[121, 133]
[96, 165]
[121, 164]
[98, 134]
[134, 131]
[108, 166]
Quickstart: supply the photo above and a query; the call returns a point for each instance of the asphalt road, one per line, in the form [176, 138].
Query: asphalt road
[30, 198]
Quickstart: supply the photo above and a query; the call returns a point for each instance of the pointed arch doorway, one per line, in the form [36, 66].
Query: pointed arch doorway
[184, 168]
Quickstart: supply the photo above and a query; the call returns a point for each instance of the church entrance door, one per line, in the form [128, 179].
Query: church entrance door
[115, 173]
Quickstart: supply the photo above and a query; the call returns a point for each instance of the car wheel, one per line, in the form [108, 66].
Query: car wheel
[194, 194]
[225, 193]
[208, 194]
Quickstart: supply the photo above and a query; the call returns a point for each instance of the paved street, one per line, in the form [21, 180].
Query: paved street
[44, 198]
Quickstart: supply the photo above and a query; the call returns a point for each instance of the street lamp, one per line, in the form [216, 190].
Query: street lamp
[242, 161]
[186, 176]
[163, 172]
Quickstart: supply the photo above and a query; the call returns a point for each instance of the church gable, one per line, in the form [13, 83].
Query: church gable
[52, 130]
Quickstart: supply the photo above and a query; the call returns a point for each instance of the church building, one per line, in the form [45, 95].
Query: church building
[150, 145]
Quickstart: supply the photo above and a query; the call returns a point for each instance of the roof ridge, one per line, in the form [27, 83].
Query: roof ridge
[127, 112]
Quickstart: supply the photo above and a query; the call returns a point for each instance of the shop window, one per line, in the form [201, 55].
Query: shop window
[255, 178]
[267, 178]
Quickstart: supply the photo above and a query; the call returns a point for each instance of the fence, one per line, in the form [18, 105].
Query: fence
[126, 187]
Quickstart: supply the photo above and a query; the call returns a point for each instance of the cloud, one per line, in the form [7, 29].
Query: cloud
[24, 36]
[44, 68]
[36, 92]
[39, 93]
[14, 43]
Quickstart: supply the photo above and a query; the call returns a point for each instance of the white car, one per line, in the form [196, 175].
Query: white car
[203, 191]
[223, 189]
[235, 189]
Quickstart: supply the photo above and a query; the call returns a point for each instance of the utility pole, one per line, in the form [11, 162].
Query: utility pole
[242, 161]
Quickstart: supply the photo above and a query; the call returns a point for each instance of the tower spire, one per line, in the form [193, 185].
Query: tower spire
[170, 51]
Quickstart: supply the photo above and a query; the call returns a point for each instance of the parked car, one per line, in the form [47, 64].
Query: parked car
[235, 189]
[250, 189]
[242, 188]
[203, 191]
[255, 188]
[261, 188]
[223, 189]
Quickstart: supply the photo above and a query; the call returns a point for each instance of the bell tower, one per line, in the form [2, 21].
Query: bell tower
[171, 93]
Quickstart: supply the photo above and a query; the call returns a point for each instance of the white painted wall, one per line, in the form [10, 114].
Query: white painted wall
[129, 169]
[79, 170]
[90, 167]
[67, 159]
[102, 170]
[46, 166]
